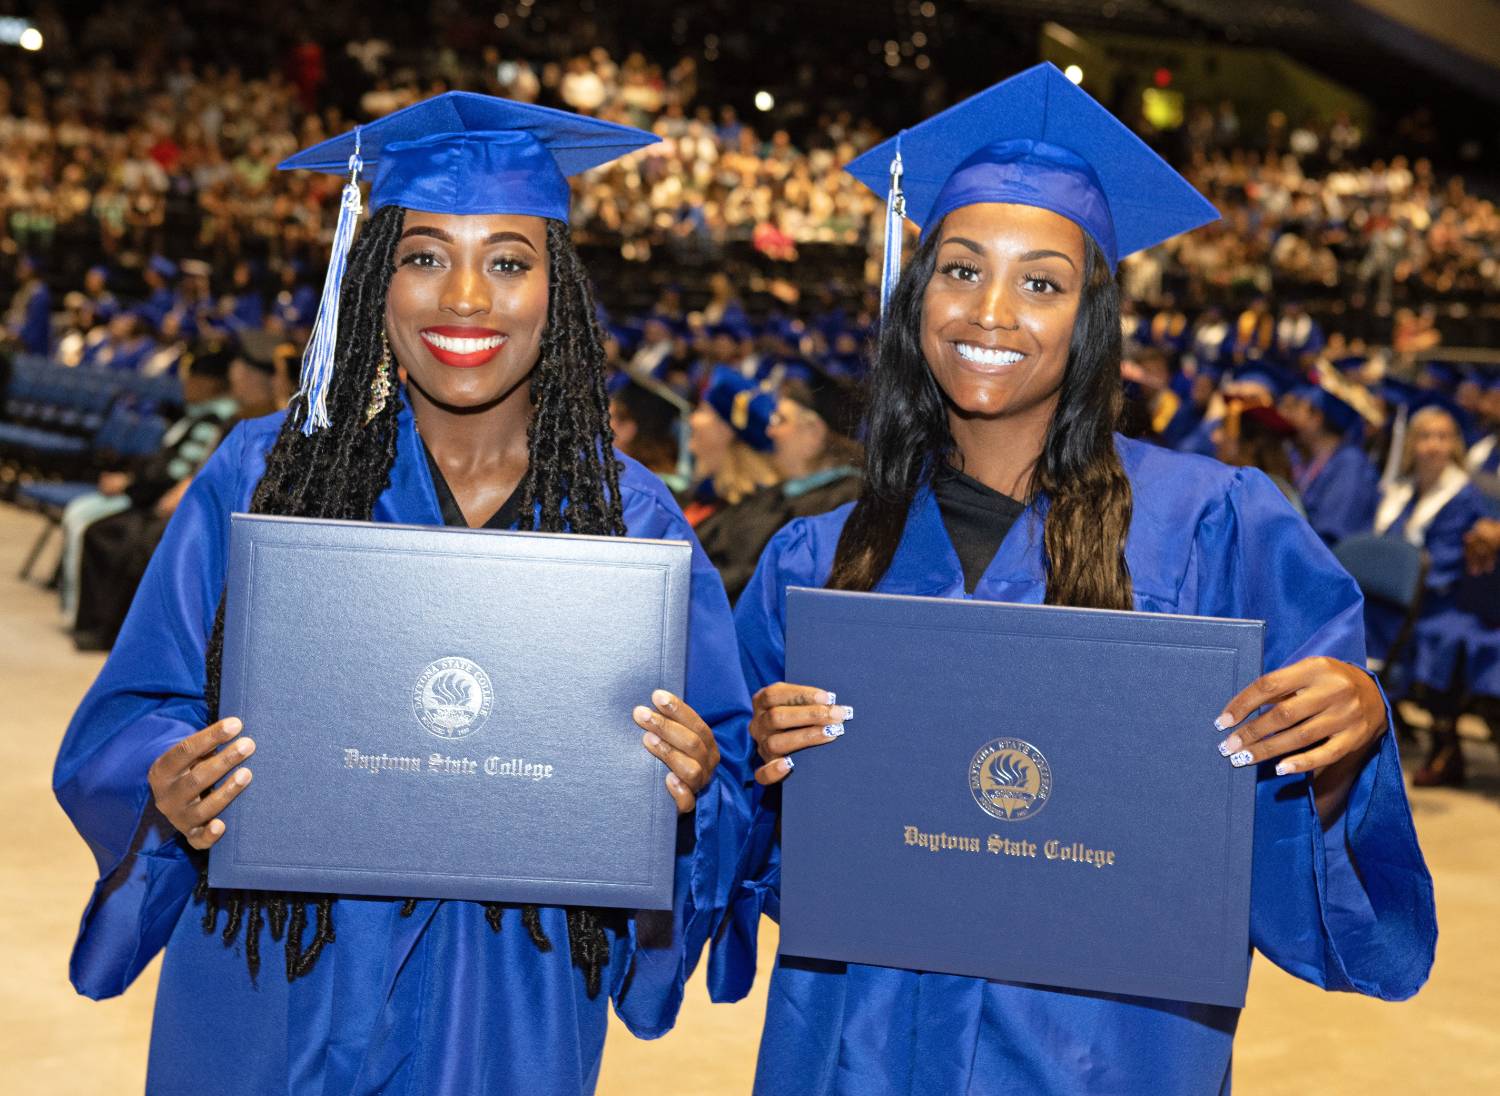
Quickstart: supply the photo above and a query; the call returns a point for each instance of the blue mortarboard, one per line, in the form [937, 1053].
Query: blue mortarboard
[464, 153]
[456, 153]
[743, 404]
[1274, 378]
[1338, 413]
[1036, 140]
[163, 267]
[1442, 374]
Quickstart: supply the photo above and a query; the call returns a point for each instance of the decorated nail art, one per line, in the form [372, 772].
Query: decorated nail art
[1240, 759]
[833, 730]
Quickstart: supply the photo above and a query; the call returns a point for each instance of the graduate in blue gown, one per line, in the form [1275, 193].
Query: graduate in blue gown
[465, 386]
[1435, 505]
[1339, 484]
[993, 473]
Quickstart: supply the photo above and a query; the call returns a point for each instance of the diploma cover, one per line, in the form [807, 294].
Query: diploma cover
[1026, 793]
[446, 713]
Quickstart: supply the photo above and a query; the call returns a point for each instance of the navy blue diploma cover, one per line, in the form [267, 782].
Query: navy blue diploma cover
[445, 713]
[1026, 793]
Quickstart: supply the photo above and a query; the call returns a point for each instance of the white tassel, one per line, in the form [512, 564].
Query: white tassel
[895, 233]
[317, 360]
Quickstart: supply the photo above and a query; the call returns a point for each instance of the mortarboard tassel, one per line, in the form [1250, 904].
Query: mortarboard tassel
[317, 361]
[895, 230]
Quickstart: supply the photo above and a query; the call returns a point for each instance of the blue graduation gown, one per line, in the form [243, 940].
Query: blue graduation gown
[1204, 539]
[1341, 499]
[1452, 648]
[431, 1003]
[1443, 540]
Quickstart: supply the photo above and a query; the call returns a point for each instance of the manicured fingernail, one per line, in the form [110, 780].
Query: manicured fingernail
[848, 711]
[1284, 767]
[230, 728]
[829, 697]
[641, 713]
[652, 740]
[833, 730]
[216, 826]
[787, 764]
[244, 746]
[1229, 745]
[1241, 758]
[242, 777]
[1224, 722]
[663, 699]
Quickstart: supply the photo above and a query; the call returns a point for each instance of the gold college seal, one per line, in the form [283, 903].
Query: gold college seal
[452, 698]
[1010, 779]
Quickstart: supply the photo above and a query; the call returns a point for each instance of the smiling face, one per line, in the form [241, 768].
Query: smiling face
[1435, 443]
[998, 313]
[467, 305]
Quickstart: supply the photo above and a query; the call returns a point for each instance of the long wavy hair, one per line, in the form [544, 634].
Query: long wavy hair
[572, 484]
[1079, 480]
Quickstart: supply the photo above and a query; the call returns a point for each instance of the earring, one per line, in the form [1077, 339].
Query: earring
[380, 388]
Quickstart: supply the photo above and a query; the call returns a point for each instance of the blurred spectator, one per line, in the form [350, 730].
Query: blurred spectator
[109, 536]
[813, 449]
[644, 417]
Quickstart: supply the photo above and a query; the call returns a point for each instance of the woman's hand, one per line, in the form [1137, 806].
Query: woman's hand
[182, 780]
[1329, 710]
[789, 718]
[1481, 546]
[679, 737]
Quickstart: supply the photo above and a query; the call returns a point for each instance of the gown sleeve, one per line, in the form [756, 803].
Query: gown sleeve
[760, 621]
[1349, 907]
[667, 944]
[148, 696]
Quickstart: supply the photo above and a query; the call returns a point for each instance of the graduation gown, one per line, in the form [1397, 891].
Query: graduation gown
[1441, 631]
[427, 1004]
[735, 535]
[1204, 539]
[1340, 497]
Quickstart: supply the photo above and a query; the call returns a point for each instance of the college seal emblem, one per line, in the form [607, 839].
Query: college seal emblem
[452, 698]
[1010, 779]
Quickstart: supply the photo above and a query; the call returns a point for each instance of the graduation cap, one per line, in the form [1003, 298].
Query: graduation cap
[1039, 140]
[162, 267]
[743, 404]
[1275, 379]
[457, 153]
[837, 401]
[1339, 414]
[1414, 399]
[1442, 374]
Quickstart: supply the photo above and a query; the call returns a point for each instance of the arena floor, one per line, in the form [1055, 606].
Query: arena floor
[1293, 1040]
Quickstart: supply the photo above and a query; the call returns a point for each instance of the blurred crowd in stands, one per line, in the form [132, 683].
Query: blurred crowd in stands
[150, 238]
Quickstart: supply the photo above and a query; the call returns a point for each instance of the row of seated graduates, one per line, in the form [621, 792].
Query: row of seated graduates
[1395, 463]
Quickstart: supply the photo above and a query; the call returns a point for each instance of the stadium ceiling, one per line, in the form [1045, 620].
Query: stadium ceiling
[1457, 41]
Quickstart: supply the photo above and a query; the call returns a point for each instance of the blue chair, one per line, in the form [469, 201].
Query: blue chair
[124, 435]
[50, 499]
[1391, 572]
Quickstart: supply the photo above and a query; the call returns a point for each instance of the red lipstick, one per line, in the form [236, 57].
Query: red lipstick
[463, 347]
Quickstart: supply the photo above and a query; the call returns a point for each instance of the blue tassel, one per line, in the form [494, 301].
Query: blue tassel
[317, 360]
[895, 233]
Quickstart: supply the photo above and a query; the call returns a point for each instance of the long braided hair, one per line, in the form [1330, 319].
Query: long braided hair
[572, 484]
